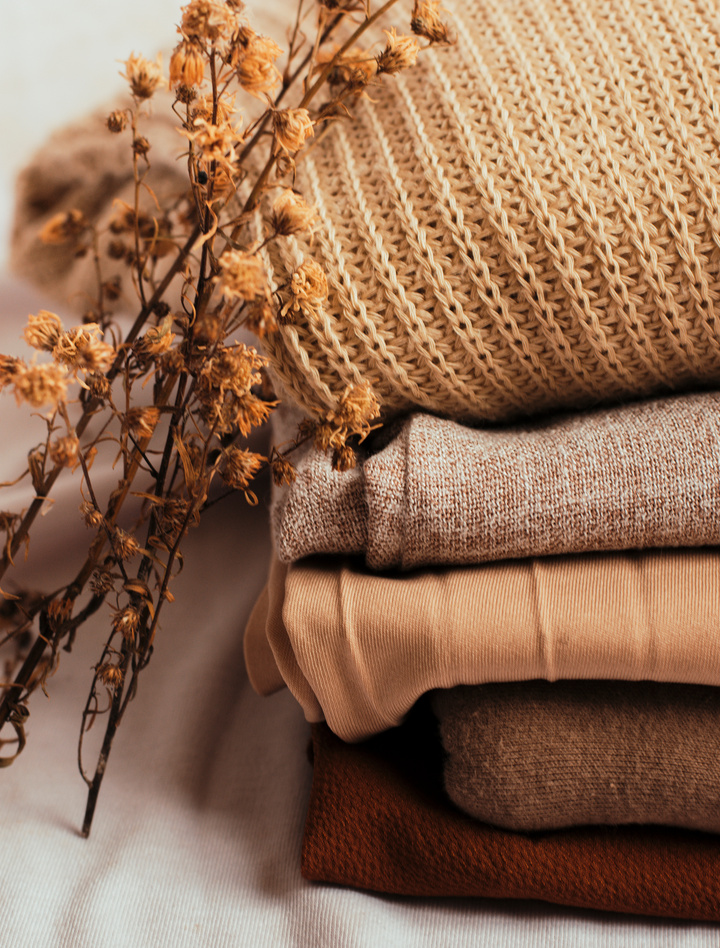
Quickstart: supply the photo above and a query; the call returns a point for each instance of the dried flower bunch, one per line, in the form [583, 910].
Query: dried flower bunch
[208, 388]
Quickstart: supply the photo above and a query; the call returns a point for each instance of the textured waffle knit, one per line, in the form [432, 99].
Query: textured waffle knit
[359, 648]
[629, 477]
[376, 820]
[524, 221]
[539, 755]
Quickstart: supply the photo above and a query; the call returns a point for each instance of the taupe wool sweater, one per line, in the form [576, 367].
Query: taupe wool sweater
[359, 648]
[537, 755]
[631, 477]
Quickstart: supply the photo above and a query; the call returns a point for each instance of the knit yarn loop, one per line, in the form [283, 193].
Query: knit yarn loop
[528, 220]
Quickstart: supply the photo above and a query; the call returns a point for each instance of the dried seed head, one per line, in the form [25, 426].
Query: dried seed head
[110, 675]
[98, 386]
[117, 121]
[155, 341]
[290, 214]
[62, 227]
[82, 348]
[256, 71]
[43, 330]
[126, 621]
[126, 546]
[242, 275]
[63, 451]
[141, 146]
[426, 22]
[358, 406]
[187, 65]
[40, 385]
[208, 20]
[400, 52]
[343, 459]
[144, 76]
[292, 128]
[58, 612]
[215, 142]
[91, 515]
[112, 288]
[8, 367]
[283, 471]
[142, 421]
[308, 290]
[101, 581]
[240, 466]
[117, 250]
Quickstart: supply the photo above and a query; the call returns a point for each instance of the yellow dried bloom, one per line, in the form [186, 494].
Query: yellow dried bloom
[142, 421]
[292, 128]
[117, 120]
[207, 20]
[187, 65]
[308, 289]
[40, 385]
[126, 621]
[8, 367]
[63, 227]
[426, 22]
[144, 76]
[126, 546]
[64, 451]
[400, 52]
[231, 370]
[98, 386]
[242, 275]
[83, 348]
[256, 71]
[290, 214]
[260, 318]
[43, 331]
[240, 466]
[250, 412]
[355, 68]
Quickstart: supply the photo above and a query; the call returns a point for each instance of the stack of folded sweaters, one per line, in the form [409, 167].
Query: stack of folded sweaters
[508, 615]
[555, 586]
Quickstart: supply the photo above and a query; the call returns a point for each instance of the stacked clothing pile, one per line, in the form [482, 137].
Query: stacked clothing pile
[526, 225]
[504, 535]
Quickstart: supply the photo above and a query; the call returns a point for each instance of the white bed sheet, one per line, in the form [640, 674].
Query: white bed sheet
[197, 835]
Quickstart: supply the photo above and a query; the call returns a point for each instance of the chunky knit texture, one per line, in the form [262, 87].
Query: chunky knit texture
[525, 221]
[536, 755]
[629, 477]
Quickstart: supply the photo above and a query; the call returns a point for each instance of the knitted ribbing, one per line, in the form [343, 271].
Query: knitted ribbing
[524, 221]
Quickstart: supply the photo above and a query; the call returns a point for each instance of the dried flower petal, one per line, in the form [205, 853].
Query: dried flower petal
[187, 65]
[426, 22]
[242, 275]
[63, 451]
[400, 52]
[40, 385]
[83, 348]
[290, 214]
[256, 71]
[144, 76]
[126, 621]
[117, 120]
[308, 289]
[207, 20]
[240, 466]
[43, 330]
[292, 128]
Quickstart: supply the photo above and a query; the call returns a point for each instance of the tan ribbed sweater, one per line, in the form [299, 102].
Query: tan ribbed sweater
[360, 648]
[631, 477]
[527, 220]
